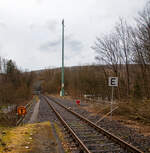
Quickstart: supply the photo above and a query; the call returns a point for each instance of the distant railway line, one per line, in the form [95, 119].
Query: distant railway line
[87, 136]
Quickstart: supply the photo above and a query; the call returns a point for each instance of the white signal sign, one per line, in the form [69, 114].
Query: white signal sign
[113, 81]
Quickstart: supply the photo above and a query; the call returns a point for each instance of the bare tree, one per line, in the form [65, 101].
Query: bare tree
[141, 45]
[143, 32]
[108, 50]
[124, 36]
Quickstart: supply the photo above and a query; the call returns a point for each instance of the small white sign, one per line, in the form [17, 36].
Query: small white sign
[113, 81]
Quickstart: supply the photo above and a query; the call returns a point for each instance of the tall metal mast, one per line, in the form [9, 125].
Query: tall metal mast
[62, 70]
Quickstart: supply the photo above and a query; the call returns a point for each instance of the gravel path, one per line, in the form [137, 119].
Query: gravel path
[29, 113]
[34, 116]
[39, 112]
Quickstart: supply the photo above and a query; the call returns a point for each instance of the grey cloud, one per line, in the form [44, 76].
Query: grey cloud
[51, 25]
[75, 45]
[32, 26]
[2, 24]
[68, 37]
[75, 49]
[39, 1]
[48, 45]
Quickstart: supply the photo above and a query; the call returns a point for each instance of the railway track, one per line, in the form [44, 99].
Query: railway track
[20, 121]
[88, 136]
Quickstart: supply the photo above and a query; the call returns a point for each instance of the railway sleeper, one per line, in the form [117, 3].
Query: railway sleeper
[94, 140]
[82, 137]
[84, 130]
[109, 151]
[103, 145]
[87, 133]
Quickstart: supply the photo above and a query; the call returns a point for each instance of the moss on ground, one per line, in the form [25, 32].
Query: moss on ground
[16, 139]
[28, 138]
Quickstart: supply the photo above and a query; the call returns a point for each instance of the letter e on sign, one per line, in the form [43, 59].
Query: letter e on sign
[113, 81]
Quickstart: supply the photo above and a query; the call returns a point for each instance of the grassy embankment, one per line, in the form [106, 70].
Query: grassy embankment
[135, 110]
[28, 138]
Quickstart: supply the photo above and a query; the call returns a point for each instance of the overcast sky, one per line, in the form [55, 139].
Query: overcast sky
[30, 30]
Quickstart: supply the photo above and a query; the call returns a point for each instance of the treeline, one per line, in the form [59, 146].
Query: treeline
[86, 80]
[125, 46]
[15, 85]
[78, 81]
[124, 53]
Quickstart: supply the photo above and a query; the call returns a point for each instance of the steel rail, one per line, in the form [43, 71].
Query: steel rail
[119, 141]
[68, 127]
[27, 106]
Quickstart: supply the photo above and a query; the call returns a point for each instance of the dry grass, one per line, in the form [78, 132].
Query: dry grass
[16, 139]
[26, 139]
[135, 110]
[134, 114]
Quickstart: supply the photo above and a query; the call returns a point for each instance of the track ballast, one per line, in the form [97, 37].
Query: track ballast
[88, 136]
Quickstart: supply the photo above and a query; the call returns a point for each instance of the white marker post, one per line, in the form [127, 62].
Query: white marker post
[112, 82]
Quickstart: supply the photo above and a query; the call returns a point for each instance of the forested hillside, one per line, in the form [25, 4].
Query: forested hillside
[16, 85]
[124, 52]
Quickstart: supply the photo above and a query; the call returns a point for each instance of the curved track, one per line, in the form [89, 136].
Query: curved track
[90, 137]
